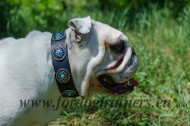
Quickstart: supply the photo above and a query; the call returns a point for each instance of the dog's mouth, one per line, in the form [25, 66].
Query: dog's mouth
[117, 88]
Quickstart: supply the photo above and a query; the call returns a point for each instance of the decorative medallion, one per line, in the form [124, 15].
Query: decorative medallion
[58, 36]
[63, 75]
[69, 93]
[59, 54]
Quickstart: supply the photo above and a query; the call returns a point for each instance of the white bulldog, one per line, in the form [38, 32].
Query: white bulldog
[100, 58]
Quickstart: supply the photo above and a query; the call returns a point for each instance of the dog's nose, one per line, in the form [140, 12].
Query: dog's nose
[133, 51]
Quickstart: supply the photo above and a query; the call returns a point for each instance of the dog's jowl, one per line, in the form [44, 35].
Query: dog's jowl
[89, 57]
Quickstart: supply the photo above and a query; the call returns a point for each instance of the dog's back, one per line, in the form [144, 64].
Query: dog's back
[24, 63]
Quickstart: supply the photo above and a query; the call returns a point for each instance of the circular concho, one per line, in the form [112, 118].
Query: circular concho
[69, 93]
[59, 54]
[63, 75]
[58, 36]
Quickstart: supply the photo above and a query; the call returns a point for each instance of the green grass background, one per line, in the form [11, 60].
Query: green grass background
[160, 33]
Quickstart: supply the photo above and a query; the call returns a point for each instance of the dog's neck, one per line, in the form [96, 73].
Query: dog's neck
[61, 65]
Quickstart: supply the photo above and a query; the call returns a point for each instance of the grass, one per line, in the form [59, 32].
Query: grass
[162, 45]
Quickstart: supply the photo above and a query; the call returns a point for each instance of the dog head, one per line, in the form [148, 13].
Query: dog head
[101, 59]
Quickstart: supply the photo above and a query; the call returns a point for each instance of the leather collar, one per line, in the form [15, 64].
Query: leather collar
[61, 65]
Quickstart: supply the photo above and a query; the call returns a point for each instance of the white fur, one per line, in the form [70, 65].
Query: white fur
[26, 70]
[26, 73]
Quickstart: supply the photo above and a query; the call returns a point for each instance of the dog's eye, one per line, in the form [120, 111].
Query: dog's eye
[118, 48]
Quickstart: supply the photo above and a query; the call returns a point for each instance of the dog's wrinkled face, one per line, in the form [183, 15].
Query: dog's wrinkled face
[100, 57]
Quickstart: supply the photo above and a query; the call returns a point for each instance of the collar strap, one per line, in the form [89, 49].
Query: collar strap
[61, 65]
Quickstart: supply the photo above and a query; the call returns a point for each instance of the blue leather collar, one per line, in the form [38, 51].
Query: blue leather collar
[61, 65]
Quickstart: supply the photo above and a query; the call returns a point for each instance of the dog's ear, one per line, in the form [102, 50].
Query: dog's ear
[80, 26]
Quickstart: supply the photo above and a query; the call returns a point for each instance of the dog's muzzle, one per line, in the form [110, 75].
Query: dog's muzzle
[122, 86]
